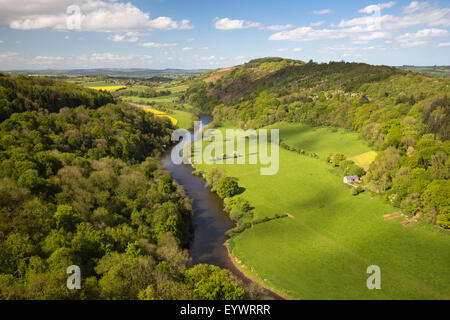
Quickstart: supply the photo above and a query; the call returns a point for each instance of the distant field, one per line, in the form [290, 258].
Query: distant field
[110, 88]
[365, 159]
[321, 140]
[181, 119]
[163, 99]
[162, 114]
[324, 249]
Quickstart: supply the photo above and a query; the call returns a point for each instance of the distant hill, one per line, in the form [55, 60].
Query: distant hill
[430, 71]
[112, 71]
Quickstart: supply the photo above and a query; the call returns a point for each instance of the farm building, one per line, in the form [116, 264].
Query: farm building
[350, 179]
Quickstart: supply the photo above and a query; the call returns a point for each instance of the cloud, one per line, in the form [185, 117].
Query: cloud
[424, 15]
[7, 55]
[157, 45]
[317, 24]
[282, 50]
[444, 44]
[422, 37]
[228, 24]
[279, 27]
[348, 51]
[415, 6]
[377, 7]
[187, 48]
[424, 34]
[324, 11]
[298, 49]
[1, 41]
[127, 37]
[110, 57]
[45, 60]
[368, 28]
[236, 24]
[96, 15]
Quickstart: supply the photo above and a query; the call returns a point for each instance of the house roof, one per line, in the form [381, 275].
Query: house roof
[352, 177]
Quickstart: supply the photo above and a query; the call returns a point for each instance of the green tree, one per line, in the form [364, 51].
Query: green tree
[212, 283]
[227, 187]
[66, 218]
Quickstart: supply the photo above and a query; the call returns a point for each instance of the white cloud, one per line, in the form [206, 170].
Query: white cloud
[282, 50]
[190, 39]
[279, 27]
[377, 7]
[324, 11]
[430, 16]
[298, 49]
[317, 24]
[127, 37]
[444, 44]
[415, 6]
[7, 55]
[110, 57]
[45, 60]
[1, 41]
[422, 37]
[344, 51]
[204, 48]
[97, 15]
[236, 24]
[369, 28]
[229, 24]
[187, 48]
[157, 45]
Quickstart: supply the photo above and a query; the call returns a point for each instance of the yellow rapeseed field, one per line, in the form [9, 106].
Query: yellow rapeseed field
[365, 159]
[108, 88]
[163, 114]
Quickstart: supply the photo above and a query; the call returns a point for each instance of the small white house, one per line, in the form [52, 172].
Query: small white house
[351, 179]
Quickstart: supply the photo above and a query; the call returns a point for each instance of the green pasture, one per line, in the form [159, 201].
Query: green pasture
[321, 140]
[323, 249]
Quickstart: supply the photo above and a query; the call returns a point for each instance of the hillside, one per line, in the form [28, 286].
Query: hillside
[81, 183]
[403, 115]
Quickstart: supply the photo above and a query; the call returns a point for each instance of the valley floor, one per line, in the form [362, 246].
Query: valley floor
[323, 249]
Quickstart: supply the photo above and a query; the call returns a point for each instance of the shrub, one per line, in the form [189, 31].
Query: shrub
[227, 187]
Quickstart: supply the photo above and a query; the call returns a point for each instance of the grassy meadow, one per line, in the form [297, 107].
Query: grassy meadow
[323, 249]
[321, 140]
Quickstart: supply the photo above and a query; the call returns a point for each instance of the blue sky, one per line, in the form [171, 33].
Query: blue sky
[42, 34]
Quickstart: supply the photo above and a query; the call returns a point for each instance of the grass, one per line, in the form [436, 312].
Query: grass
[180, 118]
[365, 159]
[321, 140]
[323, 251]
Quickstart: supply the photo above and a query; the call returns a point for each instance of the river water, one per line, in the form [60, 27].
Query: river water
[211, 221]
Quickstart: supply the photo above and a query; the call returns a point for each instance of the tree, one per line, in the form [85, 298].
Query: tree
[66, 218]
[227, 187]
[436, 199]
[212, 283]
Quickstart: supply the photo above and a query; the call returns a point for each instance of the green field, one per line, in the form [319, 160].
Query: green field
[323, 250]
[321, 140]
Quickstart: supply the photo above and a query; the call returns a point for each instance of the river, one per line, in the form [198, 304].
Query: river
[211, 221]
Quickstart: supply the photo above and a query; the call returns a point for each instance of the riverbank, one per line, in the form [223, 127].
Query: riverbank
[236, 263]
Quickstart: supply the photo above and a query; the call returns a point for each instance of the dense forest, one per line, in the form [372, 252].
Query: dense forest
[81, 184]
[403, 115]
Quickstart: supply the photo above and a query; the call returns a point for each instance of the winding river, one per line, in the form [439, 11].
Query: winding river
[211, 222]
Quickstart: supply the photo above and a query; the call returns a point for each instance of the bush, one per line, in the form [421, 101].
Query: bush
[227, 187]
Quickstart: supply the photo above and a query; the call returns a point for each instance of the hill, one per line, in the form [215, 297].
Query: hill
[403, 115]
[81, 184]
